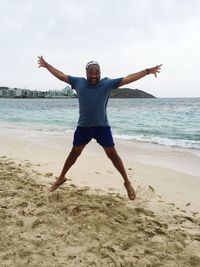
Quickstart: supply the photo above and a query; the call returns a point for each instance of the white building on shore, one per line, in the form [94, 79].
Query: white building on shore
[6, 92]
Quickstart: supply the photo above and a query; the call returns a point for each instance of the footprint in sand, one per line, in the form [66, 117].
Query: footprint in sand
[145, 212]
[36, 223]
[195, 260]
[48, 174]
[19, 223]
[158, 242]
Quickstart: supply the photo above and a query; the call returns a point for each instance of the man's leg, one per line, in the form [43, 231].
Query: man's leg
[117, 162]
[71, 159]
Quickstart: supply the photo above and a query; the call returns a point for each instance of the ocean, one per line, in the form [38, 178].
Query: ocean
[172, 122]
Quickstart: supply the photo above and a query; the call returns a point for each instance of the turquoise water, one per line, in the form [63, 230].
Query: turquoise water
[168, 121]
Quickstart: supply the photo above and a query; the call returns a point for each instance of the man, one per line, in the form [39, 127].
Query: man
[93, 94]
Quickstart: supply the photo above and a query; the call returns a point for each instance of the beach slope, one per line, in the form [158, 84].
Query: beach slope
[77, 226]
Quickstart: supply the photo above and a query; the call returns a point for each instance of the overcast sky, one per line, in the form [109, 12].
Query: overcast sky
[124, 36]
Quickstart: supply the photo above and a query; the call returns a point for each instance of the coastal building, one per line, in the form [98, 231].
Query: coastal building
[18, 93]
[1, 93]
[6, 92]
[67, 91]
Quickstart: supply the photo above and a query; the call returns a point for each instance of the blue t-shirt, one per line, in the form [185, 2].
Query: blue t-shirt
[93, 100]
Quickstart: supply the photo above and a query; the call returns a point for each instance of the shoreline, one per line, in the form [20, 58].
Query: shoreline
[31, 132]
[179, 159]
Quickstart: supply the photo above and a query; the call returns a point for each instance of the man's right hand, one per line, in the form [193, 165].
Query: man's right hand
[42, 62]
[57, 73]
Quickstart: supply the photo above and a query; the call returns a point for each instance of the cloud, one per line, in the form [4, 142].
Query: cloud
[125, 36]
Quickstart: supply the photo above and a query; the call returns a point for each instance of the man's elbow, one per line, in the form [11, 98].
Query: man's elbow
[64, 78]
[124, 81]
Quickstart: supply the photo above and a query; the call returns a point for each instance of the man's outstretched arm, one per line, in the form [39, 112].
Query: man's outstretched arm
[138, 75]
[57, 73]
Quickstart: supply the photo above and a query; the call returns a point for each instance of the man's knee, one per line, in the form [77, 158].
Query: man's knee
[111, 153]
[76, 151]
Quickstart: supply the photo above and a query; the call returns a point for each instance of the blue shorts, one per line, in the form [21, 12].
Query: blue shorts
[103, 136]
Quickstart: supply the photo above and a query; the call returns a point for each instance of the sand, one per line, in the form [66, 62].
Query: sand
[89, 221]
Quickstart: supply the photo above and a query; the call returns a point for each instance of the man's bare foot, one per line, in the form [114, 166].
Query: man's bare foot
[130, 190]
[57, 183]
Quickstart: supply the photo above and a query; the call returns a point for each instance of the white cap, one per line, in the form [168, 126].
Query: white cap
[92, 63]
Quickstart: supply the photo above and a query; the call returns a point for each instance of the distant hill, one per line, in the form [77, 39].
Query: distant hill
[130, 93]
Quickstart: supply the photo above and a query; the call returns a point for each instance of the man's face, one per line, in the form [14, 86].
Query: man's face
[93, 74]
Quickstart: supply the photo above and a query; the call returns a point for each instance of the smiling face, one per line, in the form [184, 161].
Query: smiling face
[93, 74]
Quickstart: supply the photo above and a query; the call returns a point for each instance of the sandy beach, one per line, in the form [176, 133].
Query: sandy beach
[89, 221]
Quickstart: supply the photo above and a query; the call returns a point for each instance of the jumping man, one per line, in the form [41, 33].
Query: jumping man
[93, 94]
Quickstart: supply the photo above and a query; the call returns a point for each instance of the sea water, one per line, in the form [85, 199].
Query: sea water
[173, 122]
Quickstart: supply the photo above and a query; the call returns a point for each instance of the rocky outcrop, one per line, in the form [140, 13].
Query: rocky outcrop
[130, 93]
